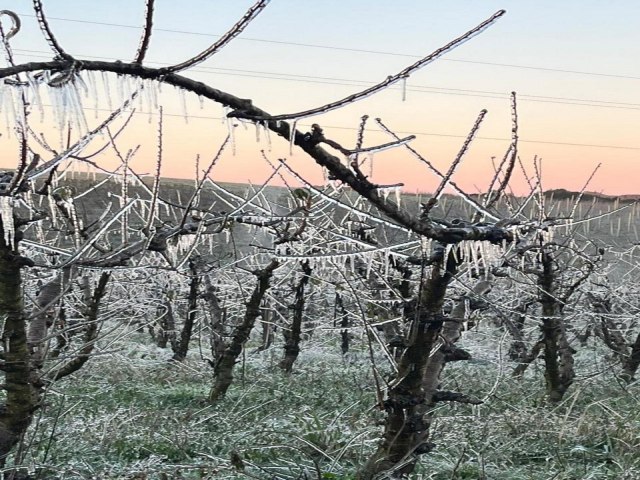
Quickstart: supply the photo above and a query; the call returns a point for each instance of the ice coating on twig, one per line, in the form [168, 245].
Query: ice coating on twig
[390, 80]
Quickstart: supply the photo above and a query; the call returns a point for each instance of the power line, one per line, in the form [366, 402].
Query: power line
[413, 88]
[356, 50]
[399, 132]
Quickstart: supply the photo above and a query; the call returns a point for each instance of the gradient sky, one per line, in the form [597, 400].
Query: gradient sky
[300, 54]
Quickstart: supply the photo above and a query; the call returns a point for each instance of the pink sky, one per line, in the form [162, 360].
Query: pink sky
[572, 120]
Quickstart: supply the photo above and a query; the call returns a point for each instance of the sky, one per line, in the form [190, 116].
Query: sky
[573, 64]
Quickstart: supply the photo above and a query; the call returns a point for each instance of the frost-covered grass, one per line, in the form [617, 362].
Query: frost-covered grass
[134, 415]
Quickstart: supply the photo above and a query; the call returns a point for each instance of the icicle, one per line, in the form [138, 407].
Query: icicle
[231, 130]
[267, 134]
[404, 89]
[183, 102]
[77, 224]
[52, 209]
[9, 110]
[77, 111]
[153, 92]
[398, 193]
[93, 91]
[35, 97]
[120, 79]
[292, 136]
[474, 257]
[447, 250]
[257, 125]
[107, 90]
[6, 214]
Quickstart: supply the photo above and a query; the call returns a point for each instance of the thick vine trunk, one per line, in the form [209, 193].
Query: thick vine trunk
[182, 346]
[558, 354]
[341, 313]
[633, 361]
[91, 315]
[217, 321]
[530, 357]
[518, 351]
[223, 370]
[44, 315]
[166, 326]
[63, 336]
[292, 335]
[22, 397]
[406, 429]
[268, 333]
[629, 355]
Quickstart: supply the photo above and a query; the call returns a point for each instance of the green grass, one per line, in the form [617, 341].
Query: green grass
[133, 417]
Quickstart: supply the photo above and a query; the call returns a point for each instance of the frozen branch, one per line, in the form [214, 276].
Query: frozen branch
[390, 80]
[146, 33]
[224, 40]
[48, 34]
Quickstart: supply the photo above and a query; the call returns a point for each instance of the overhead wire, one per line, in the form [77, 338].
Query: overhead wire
[413, 88]
[356, 82]
[350, 49]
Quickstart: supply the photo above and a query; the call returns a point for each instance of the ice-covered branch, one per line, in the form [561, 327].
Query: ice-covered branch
[47, 33]
[146, 33]
[79, 145]
[390, 80]
[16, 24]
[512, 155]
[456, 188]
[456, 162]
[224, 40]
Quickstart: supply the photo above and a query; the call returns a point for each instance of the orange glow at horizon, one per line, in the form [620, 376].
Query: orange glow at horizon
[573, 121]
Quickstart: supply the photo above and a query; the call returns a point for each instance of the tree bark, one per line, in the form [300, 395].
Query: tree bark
[166, 323]
[44, 315]
[267, 328]
[292, 335]
[558, 354]
[223, 370]
[91, 315]
[629, 355]
[341, 312]
[22, 397]
[406, 429]
[217, 323]
[182, 346]
[633, 361]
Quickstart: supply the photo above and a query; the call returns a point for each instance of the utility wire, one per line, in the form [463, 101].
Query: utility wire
[399, 132]
[353, 82]
[357, 50]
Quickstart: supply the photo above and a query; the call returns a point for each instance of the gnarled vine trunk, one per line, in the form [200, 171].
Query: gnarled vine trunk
[182, 345]
[558, 354]
[223, 370]
[90, 313]
[411, 403]
[292, 334]
[629, 355]
[22, 397]
[406, 429]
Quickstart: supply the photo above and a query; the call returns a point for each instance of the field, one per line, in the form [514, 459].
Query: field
[321, 323]
[132, 414]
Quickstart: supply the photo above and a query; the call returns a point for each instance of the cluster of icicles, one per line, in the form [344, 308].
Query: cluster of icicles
[478, 256]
